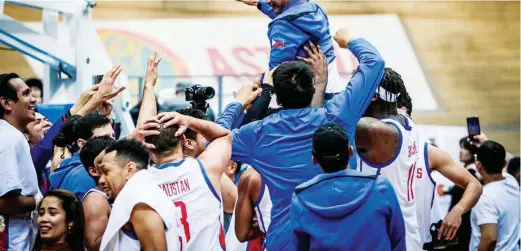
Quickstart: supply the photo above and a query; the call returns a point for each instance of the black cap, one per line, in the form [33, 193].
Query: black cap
[330, 143]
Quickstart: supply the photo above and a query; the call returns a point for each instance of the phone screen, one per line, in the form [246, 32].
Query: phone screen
[473, 126]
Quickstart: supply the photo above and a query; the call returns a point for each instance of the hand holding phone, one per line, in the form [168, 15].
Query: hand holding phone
[473, 128]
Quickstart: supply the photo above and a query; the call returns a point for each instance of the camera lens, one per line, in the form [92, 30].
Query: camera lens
[207, 92]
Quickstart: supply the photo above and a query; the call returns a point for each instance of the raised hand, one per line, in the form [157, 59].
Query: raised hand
[343, 37]
[106, 86]
[248, 93]
[173, 118]
[149, 128]
[84, 98]
[317, 61]
[151, 75]
[105, 108]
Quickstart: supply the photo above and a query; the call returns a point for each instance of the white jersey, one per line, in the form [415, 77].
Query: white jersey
[262, 209]
[199, 206]
[140, 188]
[401, 172]
[424, 187]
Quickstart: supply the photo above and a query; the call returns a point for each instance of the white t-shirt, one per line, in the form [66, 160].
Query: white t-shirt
[499, 204]
[17, 174]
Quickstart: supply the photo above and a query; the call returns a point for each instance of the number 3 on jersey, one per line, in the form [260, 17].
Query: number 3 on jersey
[184, 216]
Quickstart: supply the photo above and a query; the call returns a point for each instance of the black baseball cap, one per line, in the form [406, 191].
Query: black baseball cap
[331, 145]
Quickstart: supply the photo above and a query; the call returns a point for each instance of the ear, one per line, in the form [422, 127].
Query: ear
[479, 167]
[278, 102]
[80, 143]
[93, 171]
[154, 157]
[351, 151]
[131, 168]
[314, 160]
[4, 102]
[70, 224]
[234, 167]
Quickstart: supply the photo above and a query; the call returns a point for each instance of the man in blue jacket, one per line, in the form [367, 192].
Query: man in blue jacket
[71, 175]
[294, 23]
[364, 206]
[278, 147]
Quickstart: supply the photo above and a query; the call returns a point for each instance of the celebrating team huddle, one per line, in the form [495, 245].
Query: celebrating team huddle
[334, 166]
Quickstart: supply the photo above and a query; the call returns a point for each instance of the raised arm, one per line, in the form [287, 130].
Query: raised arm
[318, 62]
[217, 153]
[349, 105]
[148, 101]
[266, 9]
[441, 161]
[245, 96]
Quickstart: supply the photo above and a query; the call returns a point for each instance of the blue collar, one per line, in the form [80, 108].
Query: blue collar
[325, 176]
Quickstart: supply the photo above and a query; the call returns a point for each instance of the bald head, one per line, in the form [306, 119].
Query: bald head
[376, 142]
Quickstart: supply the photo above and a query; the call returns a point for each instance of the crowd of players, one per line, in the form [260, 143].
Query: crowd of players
[338, 167]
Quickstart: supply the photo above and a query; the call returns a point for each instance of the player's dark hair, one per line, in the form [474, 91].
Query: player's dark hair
[66, 137]
[465, 144]
[93, 148]
[7, 90]
[492, 155]
[513, 166]
[404, 100]
[166, 142]
[195, 113]
[128, 150]
[84, 126]
[73, 213]
[392, 83]
[293, 83]
[34, 82]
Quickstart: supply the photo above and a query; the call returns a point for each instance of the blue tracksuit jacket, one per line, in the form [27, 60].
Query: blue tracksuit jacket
[299, 22]
[279, 146]
[72, 176]
[347, 210]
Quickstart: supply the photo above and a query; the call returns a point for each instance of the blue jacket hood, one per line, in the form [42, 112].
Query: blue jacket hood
[353, 193]
[67, 165]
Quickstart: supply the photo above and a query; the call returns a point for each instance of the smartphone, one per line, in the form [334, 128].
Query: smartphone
[473, 126]
[97, 79]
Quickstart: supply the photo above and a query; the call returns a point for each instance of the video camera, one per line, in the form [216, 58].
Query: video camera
[436, 244]
[197, 95]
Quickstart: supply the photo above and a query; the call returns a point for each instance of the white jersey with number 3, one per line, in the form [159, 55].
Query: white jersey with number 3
[199, 206]
[401, 172]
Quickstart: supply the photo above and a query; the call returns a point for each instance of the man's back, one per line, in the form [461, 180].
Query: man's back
[499, 204]
[355, 201]
[188, 186]
[279, 146]
[401, 172]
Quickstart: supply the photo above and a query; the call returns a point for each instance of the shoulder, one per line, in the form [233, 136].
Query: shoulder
[383, 185]
[95, 202]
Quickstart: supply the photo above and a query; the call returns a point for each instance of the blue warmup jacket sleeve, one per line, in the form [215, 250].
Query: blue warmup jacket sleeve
[230, 115]
[41, 153]
[283, 32]
[266, 9]
[349, 105]
[396, 226]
